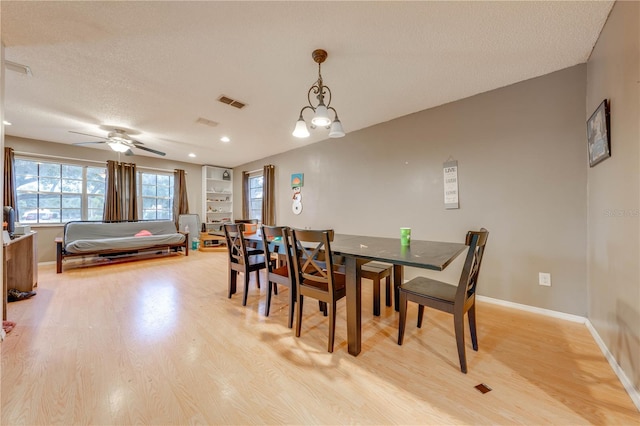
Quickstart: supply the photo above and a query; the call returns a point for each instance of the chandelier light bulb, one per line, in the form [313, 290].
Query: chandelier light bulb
[336, 129]
[301, 130]
[321, 118]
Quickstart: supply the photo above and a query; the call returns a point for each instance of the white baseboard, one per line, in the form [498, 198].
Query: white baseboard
[628, 385]
[535, 310]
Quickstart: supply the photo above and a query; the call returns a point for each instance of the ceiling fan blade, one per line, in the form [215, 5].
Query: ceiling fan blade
[151, 150]
[128, 152]
[88, 143]
[86, 134]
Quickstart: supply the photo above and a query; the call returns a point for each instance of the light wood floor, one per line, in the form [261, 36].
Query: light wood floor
[158, 342]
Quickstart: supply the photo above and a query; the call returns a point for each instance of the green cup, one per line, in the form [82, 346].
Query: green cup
[405, 236]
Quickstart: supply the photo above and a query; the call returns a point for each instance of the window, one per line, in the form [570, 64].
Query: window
[51, 192]
[156, 192]
[255, 197]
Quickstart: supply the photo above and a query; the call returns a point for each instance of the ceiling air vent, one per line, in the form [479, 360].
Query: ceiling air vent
[206, 122]
[227, 100]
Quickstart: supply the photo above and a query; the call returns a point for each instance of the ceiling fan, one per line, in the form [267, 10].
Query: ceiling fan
[119, 141]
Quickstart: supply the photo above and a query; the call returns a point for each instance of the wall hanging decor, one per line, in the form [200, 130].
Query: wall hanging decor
[450, 169]
[599, 134]
[297, 181]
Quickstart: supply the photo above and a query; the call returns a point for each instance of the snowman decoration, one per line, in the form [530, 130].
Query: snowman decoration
[296, 206]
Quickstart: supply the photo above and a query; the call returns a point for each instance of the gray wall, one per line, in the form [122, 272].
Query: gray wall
[521, 153]
[48, 233]
[613, 72]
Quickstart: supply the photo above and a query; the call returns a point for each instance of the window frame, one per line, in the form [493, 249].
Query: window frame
[141, 197]
[60, 163]
[251, 200]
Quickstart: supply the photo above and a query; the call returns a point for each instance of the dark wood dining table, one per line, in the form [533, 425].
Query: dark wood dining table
[359, 249]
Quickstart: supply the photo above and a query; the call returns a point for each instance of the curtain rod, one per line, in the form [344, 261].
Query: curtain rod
[57, 157]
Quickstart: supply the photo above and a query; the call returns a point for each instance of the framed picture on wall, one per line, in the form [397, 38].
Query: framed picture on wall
[599, 134]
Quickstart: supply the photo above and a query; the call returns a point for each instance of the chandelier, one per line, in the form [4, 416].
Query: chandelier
[321, 111]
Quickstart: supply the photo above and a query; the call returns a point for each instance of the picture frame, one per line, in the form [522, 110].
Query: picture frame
[599, 134]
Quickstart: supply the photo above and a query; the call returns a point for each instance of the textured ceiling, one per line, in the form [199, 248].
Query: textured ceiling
[156, 67]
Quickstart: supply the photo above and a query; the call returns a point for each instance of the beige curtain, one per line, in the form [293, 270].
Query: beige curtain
[121, 197]
[246, 195]
[268, 197]
[180, 201]
[10, 180]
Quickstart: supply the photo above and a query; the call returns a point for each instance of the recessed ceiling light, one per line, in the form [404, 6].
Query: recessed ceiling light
[225, 139]
[192, 155]
[6, 123]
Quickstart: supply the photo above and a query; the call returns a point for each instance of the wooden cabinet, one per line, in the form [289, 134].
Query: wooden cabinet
[217, 197]
[20, 269]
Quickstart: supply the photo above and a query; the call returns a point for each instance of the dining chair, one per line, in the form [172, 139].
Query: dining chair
[456, 300]
[316, 274]
[252, 247]
[376, 271]
[241, 260]
[277, 237]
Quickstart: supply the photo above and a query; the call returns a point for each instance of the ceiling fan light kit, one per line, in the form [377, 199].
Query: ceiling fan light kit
[321, 110]
[118, 146]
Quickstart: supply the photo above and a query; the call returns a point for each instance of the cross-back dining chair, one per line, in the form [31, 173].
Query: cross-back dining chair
[456, 300]
[275, 241]
[241, 259]
[251, 246]
[316, 274]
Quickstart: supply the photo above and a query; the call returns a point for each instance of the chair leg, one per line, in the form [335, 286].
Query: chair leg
[323, 307]
[376, 297]
[458, 323]
[246, 289]
[275, 289]
[332, 325]
[299, 315]
[402, 300]
[472, 326]
[420, 315]
[268, 305]
[233, 279]
[388, 292]
[258, 278]
[292, 304]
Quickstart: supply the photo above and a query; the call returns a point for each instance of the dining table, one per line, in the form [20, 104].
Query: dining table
[360, 249]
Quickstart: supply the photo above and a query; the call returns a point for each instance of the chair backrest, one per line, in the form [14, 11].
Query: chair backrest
[275, 239]
[312, 256]
[476, 240]
[235, 243]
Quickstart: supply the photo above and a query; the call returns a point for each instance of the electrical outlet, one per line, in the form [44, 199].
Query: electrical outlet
[544, 278]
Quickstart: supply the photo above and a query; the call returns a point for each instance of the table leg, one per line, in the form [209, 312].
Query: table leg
[398, 279]
[354, 305]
